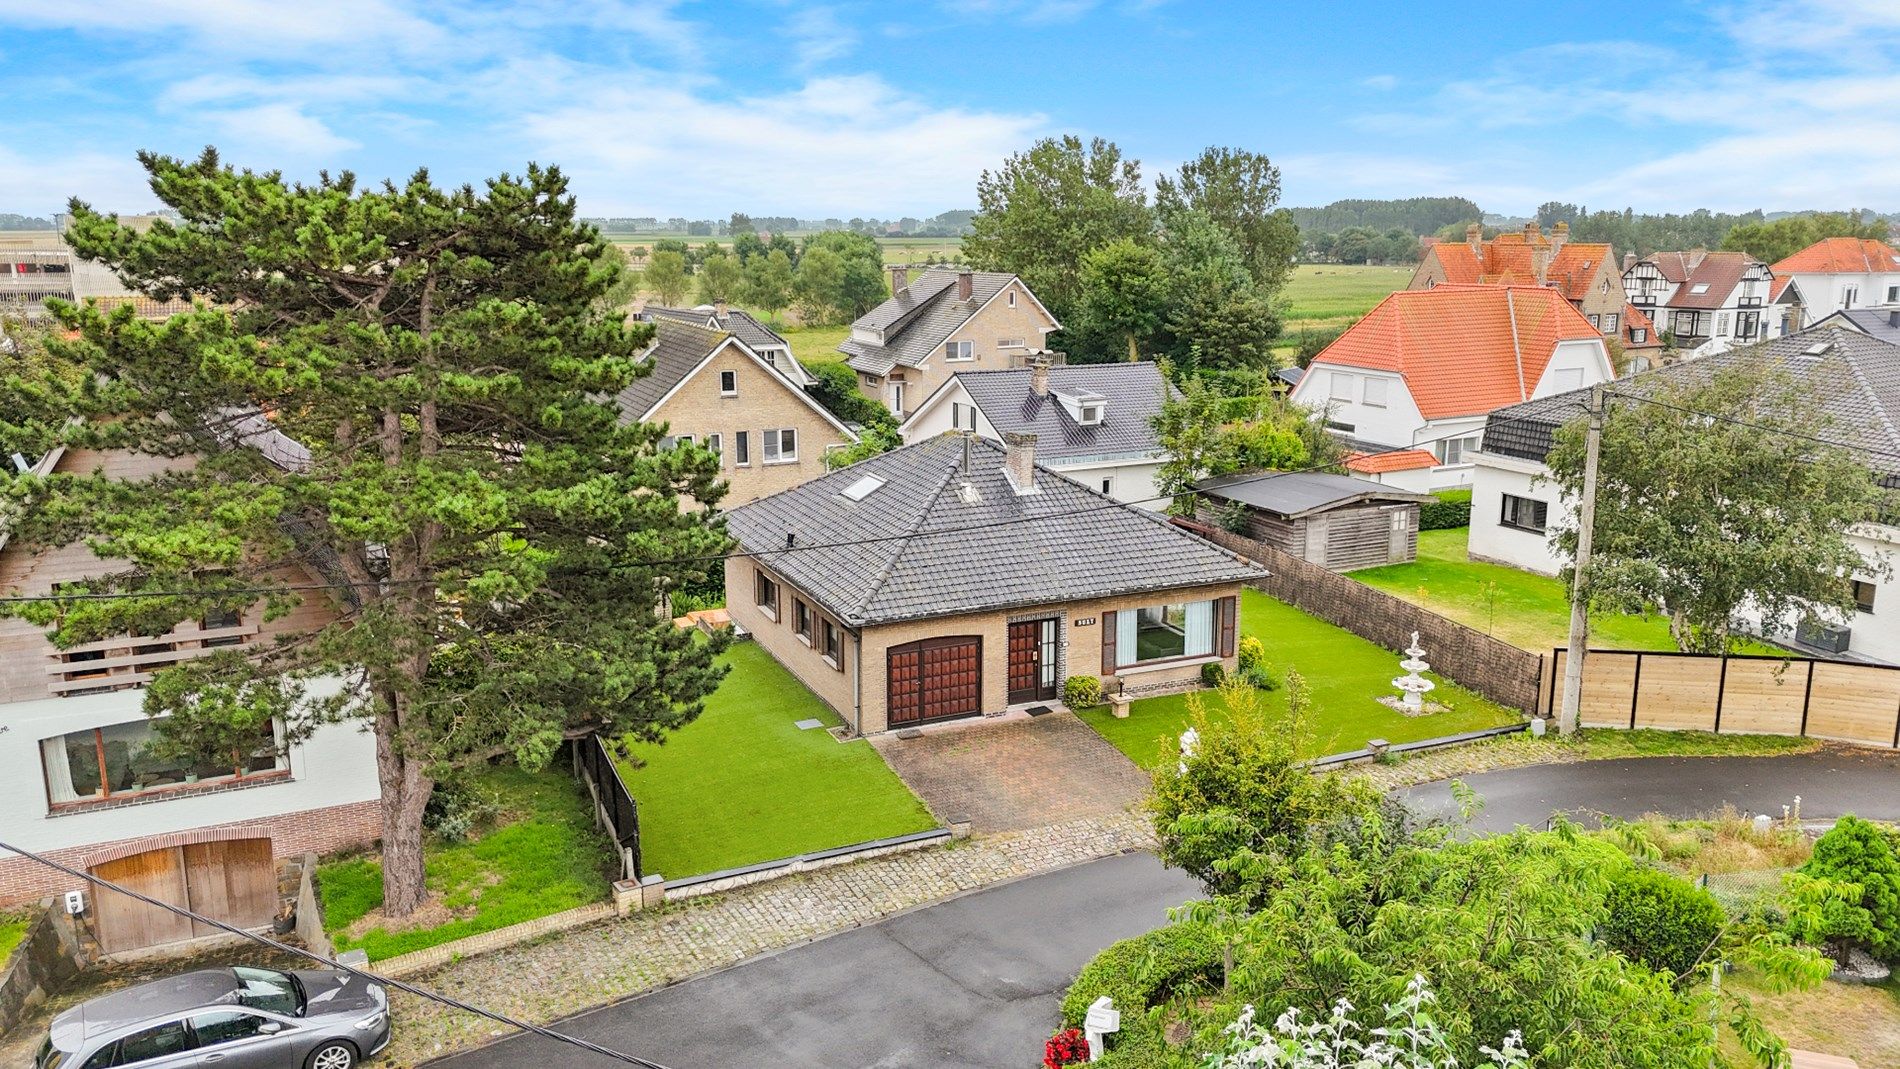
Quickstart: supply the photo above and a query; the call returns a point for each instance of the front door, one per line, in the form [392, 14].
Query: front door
[1032, 661]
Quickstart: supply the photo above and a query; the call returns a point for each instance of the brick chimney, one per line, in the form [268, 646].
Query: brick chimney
[1039, 375]
[1559, 233]
[1629, 260]
[900, 279]
[719, 311]
[1019, 461]
[1694, 257]
[966, 285]
[1474, 237]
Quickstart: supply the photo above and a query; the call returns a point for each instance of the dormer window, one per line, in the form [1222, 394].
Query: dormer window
[1091, 415]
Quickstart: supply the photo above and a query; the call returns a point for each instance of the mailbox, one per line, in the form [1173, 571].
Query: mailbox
[1102, 1019]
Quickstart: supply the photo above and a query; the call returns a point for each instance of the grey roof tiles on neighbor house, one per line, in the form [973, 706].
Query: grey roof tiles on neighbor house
[1134, 393]
[1300, 493]
[1854, 378]
[919, 319]
[676, 350]
[923, 544]
[742, 325]
[1882, 323]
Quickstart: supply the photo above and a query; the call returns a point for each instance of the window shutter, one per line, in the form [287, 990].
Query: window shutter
[1108, 643]
[1229, 610]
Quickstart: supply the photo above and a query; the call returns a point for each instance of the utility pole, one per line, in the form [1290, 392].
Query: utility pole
[1579, 609]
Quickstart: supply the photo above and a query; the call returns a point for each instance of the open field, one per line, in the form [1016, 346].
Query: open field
[1326, 296]
[897, 250]
[1529, 611]
[743, 784]
[1345, 675]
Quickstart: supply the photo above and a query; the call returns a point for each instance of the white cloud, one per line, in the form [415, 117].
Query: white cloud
[847, 146]
[818, 36]
[240, 25]
[42, 183]
[1380, 81]
[273, 130]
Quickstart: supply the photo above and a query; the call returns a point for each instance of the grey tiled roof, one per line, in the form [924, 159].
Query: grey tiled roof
[1856, 382]
[919, 318]
[676, 350]
[1134, 393]
[1882, 323]
[943, 552]
[1299, 493]
[742, 325]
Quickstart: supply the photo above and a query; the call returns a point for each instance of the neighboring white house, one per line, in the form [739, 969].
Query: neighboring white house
[1424, 368]
[1092, 422]
[1707, 301]
[78, 781]
[1516, 508]
[1842, 273]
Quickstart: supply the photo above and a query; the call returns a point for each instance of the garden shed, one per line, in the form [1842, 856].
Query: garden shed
[1334, 521]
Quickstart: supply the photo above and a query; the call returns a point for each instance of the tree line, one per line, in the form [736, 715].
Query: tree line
[831, 277]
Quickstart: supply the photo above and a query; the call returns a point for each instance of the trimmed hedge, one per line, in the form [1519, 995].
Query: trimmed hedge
[1141, 975]
[1661, 920]
[1452, 509]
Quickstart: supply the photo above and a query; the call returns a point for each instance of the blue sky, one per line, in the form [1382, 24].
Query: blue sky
[701, 107]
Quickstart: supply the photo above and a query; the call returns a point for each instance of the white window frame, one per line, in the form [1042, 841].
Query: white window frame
[773, 445]
[1012, 298]
[724, 377]
[1452, 451]
[958, 352]
[1849, 294]
[897, 398]
[1611, 322]
[1721, 324]
[742, 451]
[716, 444]
[1374, 398]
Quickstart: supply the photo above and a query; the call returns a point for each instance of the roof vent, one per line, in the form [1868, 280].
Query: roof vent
[863, 488]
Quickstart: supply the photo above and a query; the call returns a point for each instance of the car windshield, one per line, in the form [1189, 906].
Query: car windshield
[267, 989]
[50, 1057]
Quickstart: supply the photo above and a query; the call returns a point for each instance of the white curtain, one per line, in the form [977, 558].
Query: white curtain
[1200, 628]
[59, 769]
[1126, 623]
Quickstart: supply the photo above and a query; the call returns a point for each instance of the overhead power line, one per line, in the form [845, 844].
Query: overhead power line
[309, 955]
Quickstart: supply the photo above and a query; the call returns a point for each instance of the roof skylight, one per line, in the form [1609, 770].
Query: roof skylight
[1700, 287]
[863, 488]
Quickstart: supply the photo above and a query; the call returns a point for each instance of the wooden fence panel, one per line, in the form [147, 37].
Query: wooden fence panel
[1679, 693]
[1764, 696]
[1854, 703]
[1609, 689]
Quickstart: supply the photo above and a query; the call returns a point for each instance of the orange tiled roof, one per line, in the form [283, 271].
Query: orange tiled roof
[1634, 318]
[1574, 265]
[1454, 344]
[1841, 256]
[1461, 267]
[1401, 460]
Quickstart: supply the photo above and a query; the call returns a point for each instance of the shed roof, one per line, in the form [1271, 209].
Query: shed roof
[1294, 494]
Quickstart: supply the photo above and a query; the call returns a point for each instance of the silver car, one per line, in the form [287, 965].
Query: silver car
[238, 1018]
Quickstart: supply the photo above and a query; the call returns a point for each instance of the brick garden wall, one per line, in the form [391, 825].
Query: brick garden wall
[317, 831]
[1496, 669]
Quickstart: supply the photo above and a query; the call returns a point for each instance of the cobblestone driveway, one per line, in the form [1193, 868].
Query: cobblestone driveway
[1015, 774]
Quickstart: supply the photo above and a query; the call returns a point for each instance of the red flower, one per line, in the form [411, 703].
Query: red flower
[1067, 1047]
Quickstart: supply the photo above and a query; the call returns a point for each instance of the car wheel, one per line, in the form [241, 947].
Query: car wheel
[335, 1054]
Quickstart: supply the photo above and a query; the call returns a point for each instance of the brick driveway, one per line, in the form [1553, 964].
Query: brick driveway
[1017, 773]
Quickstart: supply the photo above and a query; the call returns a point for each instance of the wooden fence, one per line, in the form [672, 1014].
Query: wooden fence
[1836, 700]
[614, 805]
[1494, 668]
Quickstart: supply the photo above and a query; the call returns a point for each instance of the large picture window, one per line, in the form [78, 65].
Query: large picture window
[118, 760]
[1164, 632]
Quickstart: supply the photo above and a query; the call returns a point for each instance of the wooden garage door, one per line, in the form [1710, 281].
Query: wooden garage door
[233, 881]
[934, 678]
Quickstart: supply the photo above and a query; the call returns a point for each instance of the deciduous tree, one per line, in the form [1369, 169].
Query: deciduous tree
[720, 278]
[401, 387]
[1044, 209]
[1720, 504]
[1125, 291]
[1788, 235]
[666, 276]
[1240, 191]
[768, 282]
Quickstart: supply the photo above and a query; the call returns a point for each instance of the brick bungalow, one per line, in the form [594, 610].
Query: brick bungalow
[954, 577]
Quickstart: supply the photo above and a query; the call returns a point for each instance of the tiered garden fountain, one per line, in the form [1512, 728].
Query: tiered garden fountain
[1412, 686]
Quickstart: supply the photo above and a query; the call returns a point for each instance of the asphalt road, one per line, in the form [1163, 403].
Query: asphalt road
[1830, 783]
[974, 981]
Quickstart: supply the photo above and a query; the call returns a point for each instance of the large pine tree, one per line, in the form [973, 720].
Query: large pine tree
[408, 390]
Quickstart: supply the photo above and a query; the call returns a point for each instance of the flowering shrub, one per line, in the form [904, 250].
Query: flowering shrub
[1410, 1040]
[1081, 692]
[1067, 1047]
[1253, 653]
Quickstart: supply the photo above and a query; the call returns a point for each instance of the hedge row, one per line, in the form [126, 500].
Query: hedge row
[1452, 509]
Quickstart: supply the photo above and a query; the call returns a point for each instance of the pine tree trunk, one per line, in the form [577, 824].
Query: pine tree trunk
[406, 793]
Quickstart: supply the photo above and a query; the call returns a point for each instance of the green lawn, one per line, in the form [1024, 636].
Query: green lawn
[1334, 295]
[1345, 674]
[816, 345]
[543, 854]
[13, 928]
[742, 785]
[1527, 610]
